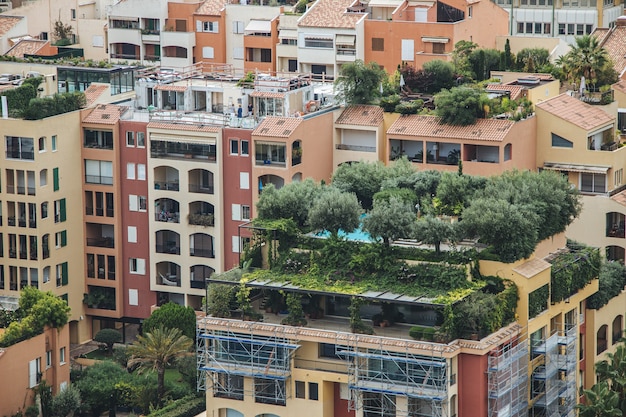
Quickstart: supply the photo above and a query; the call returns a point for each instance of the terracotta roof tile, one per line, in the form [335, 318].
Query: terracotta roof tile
[280, 127]
[615, 46]
[7, 23]
[171, 87]
[514, 90]
[361, 116]
[211, 8]
[93, 92]
[330, 14]
[620, 86]
[531, 268]
[600, 33]
[493, 130]
[105, 114]
[26, 46]
[620, 198]
[189, 127]
[574, 111]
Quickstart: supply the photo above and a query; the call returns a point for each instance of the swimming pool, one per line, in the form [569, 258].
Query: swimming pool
[357, 235]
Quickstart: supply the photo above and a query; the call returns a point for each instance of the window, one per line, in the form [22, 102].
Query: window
[235, 243]
[130, 171]
[234, 147]
[329, 350]
[132, 234]
[62, 356]
[43, 178]
[34, 372]
[61, 274]
[208, 52]
[137, 266]
[318, 43]
[44, 210]
[313, 391]
[54, 143]
[59, 211]
[238, 27]
[141, 172]
[42, 144]
[141, 140]
[300, 386]
[46, 274]
[592, 183]
[212, 27]
[229, 386]
[561, 142]
[245, 150]
[238, 53]
[269, 391]
[439, 48]
[60, 239]
[20, 148]
[619, 175]
[408, 50]
[244, 180]
[245, 212]
[73, 14]
[469, 15]
[137, 203]
[98, 172]
[561, 28]
[48, 359]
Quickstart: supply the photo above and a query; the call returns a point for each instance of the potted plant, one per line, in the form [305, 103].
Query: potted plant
[296, 312]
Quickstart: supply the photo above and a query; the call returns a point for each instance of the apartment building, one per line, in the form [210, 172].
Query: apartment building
[564, 19]
[359, 135]
[526, 368]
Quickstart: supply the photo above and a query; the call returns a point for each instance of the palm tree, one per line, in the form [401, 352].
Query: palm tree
[613, 372]
[600, 401]
[156, 350]
[586, 59]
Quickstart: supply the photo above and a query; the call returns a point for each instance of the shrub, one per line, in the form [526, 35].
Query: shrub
[172, 315]
[108, 337]
[40, 108]
[185, 407]
[422, 333]
[389, 103]
[411, 107]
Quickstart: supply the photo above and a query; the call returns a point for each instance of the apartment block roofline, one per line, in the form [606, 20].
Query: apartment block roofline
[576, 112]
[492, 130]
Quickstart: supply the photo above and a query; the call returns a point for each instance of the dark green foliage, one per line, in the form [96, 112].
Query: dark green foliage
[293, 201]
[40, 108]
[18, 98]
[296, 312]
[442, 74]
[335, 210]
[356, 323]
[44, 391]
[389, 103]
[454, 192]
[359, 83]
[121, 356]
[66, 402]
[390, 219]
[221, 299]
[538, 301]
[300, 6]
[187, 366]
[532, 59]
[479, 314]
[172, 316]
[459, 106]
[572, 271]
[506, 57]
[108, 337]
[97, 386]
[612, 282]
[185, 407]
[422, 333]
[590, 60]
[362, 178]
[403, 194]
[433, 230]
[409, 107]
[482, 62]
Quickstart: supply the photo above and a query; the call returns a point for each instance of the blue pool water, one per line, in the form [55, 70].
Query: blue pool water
[357, 235]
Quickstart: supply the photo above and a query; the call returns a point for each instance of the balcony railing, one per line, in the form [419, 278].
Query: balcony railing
[201, 188]
[269, 162]
[203, 253]
[171, 217]
[98, 179]
[152, 57]
[348, 52]
[101, 242]
[357, 148]
[172, 249]
[125, 56]
[166, 185]
[197, 284]
[22, 190]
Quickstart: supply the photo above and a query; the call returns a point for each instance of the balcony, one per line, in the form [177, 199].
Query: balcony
[101, 242]
[346, 55]
[201, 181]
[98, 179]
[168, 273]
[167, 242]
[201, 245]
[182, 150]
[166, 185]
[357, 148]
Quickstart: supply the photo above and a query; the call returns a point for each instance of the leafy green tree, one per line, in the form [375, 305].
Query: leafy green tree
[293, 201]
[172, 315]
[507, 59]
[62, 33]
[455, 192]
[442, 73]
[390, 219]
[66, 402]
[586, 59]
[613, 372]
[460, 57]
[432, 231]
[600, 401]
[612, 280]
[362, 178]
[108, 337]
[458, 106]
[482, 62]
[97, 386]
[532, 59]
[359, 83]
[335, 210]
[509, 228]
[157, 350]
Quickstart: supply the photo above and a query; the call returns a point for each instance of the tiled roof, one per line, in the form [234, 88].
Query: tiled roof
[574, 111]
[620, 86]
[493, 130]
[514, 90]
[106, 114]
[93, 92]
[531, 268]
[211, 7]
[7, 22]
[189, 127]
[280, 127]
[361, 116]
[330, 14]
[620, 198]
[26, 46]
[600, 33]
[171, 87]
[267, 94]
[615, 46]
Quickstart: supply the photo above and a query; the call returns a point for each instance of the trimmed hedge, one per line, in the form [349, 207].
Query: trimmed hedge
[189, 406]
[422, 333]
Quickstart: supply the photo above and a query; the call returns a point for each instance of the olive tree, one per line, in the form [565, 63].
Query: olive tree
[458, 106]
[390, 219]
[361, 178]
[335, 210]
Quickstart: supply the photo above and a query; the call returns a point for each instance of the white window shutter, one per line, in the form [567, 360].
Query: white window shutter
[235, 240]
[216, 27]
[141, 266]
[198, 26]
[244, 180]
[133, 202]
[132, 234]
[236, 215]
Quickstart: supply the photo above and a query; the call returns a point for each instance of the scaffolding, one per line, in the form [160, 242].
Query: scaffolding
[508, 379]
[378, 376]
[545, 378]
[226, 357]
[567, 360]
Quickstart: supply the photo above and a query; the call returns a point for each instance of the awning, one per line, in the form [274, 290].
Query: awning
[590, 169]
[435, 39]
[345, 40]
[288, 33]
[128, 18]
[319, 37]
[259, 26]
[177, 139]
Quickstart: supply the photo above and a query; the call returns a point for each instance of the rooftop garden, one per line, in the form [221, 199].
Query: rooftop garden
[421, 236]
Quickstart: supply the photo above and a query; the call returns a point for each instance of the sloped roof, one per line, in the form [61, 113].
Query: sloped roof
[491, 130]
[211, 8]
[93, 92]
[577, 112]
[531, 268]
[26, 46]
[106, 114]
[280, 127]
[620, 198]
[361, 116]
[615, 46]
[7, 23]
[620, 86]
[514, 90]
[330, 14]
